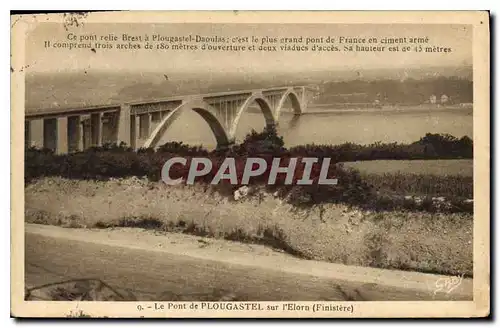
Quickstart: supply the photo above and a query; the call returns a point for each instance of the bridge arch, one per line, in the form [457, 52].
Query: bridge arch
[203, 109]
[295, 100]
[265, 107]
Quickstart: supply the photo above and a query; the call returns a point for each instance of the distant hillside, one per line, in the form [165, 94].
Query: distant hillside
[100, 88]
[462, 72]
[410, 91]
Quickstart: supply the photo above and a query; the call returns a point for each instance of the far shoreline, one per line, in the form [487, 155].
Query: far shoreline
[317, 109]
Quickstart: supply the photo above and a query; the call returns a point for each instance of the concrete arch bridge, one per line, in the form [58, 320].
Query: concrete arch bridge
[142, 124]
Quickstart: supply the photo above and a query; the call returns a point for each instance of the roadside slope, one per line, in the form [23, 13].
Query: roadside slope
[412, 241]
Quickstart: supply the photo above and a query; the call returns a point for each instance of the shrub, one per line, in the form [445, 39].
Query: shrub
[181, 149]
[120, 161]
[447, 146]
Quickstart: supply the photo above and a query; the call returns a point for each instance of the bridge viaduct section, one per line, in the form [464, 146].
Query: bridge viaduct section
[142, 124]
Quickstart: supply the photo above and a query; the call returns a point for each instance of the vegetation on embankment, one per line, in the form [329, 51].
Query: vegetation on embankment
[390, 192]
[431, 146]
[437, 242]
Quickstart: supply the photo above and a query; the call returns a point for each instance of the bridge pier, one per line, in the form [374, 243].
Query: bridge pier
[81, 145]
[143, 122]
[137, 128]
[148, 124]
[50, 133]
[62, 135]
[96, 129]
[125, 128]
[35, 133]
[86, 131]
[73, 133]
[155, 121]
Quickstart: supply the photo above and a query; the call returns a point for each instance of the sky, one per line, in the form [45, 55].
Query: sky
[41, 59]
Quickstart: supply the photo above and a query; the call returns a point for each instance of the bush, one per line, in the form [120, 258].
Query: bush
[180, 149]
[120, 161]
[255, 144]
[447, 146]
[432, 146]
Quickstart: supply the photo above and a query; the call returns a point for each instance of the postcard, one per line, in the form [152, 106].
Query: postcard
[233, 164]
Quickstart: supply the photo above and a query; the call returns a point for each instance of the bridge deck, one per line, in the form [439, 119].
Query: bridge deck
[115, 106]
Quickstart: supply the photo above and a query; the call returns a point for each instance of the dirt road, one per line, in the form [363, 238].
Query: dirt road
[179, 267]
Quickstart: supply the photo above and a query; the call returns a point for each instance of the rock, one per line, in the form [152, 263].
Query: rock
[355, 214]
[241, 192]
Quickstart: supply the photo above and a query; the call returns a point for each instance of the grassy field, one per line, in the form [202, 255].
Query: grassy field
[405, 184]
[436, 178]
[444, 167]
[419, 241]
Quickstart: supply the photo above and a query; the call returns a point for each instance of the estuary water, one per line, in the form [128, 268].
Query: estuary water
[335, 127]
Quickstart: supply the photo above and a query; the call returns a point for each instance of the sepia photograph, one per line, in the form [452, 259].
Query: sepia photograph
[250, 164]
